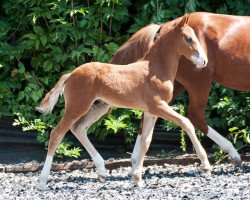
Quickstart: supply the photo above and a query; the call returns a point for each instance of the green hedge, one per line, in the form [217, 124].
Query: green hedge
[41, 40]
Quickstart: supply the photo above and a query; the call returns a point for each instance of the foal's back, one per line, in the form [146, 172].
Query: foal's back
[115, 84]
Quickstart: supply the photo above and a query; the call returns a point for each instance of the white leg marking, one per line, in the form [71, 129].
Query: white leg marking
[45, 172]
[100, 165]
[80, 132]
[143, 145]
[223, 143]
[135, 152]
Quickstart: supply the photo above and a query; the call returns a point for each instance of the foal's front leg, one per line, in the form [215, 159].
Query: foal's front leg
[80, 128]
[141, 147]
[167, 113]
[147, 125]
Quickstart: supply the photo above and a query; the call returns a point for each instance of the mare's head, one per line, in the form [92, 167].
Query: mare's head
[188, 44]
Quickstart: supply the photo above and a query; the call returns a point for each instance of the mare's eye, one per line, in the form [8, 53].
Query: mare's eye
[189, 39]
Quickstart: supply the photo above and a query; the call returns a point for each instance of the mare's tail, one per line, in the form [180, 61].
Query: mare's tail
[51, 98]
[137, 45]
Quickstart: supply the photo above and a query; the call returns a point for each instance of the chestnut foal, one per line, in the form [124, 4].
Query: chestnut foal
[146, 85]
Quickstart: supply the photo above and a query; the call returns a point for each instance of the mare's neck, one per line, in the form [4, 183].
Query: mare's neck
[163, 59]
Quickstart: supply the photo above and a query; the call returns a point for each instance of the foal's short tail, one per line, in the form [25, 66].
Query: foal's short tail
[50, 99]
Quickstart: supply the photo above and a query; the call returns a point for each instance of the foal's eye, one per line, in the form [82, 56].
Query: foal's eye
[189, 39]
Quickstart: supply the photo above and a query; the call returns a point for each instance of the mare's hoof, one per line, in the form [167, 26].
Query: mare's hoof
[102, 178]
[131, 173]
[235, 161]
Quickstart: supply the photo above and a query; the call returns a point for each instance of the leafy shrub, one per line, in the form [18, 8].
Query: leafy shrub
[41, 40]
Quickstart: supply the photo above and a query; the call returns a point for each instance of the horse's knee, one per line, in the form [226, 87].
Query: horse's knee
[74, 128]
[186, 125]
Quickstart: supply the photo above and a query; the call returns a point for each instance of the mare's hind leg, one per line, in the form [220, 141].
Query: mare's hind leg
[80, 127]
[196, 113]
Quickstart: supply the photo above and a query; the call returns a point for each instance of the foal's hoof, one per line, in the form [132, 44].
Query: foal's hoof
[138, 180]
[207, 170]
[102, 178]
[41, 185]
[235, 161]
[140, 184]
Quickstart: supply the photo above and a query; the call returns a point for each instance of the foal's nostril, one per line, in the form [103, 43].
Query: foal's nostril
[204, 63]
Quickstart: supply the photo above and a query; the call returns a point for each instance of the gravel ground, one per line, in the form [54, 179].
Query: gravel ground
[161, 182]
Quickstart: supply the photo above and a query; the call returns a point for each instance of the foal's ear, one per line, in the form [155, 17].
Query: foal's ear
[184, 20]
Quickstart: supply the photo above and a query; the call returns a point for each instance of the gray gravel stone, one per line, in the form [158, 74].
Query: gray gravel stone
[161, 182]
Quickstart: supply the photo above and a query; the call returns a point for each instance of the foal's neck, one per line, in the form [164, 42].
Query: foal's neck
[163, 58]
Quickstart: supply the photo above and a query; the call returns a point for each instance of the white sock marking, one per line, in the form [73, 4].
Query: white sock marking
[223, 143]
[45, 172]
[136, 149]
[99, 163]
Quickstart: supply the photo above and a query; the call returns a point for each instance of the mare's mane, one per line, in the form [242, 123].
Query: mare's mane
[136, 46]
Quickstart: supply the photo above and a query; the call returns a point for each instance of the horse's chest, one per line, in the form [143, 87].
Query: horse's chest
[164, 89]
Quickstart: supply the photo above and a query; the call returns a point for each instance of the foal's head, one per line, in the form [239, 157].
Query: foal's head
[188, 44]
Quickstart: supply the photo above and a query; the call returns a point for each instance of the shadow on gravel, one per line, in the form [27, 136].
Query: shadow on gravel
[150, 175]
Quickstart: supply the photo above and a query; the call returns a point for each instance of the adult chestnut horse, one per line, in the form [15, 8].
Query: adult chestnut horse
[226, 41]
[146, 85]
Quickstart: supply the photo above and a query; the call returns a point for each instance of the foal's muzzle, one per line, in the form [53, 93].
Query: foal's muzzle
[200, 60]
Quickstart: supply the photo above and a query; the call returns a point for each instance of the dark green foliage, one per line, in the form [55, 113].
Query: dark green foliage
[42, 39]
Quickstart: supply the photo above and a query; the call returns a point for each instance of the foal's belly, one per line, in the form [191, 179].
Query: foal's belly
[125, 103]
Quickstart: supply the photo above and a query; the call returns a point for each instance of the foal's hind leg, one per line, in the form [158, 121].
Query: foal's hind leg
[56, 137]
[80, 127]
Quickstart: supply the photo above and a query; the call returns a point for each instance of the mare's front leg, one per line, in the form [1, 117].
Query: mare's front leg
[79, 129]
[141, 146]
[198, 97]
